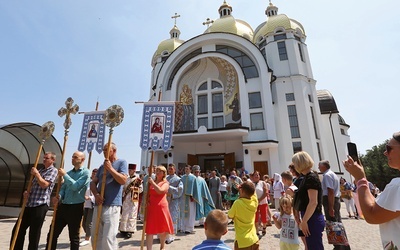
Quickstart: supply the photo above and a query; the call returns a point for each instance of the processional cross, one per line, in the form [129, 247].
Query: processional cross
[67, 111]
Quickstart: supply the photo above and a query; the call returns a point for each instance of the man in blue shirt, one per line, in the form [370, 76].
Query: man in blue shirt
[72, 197]
[116, 176]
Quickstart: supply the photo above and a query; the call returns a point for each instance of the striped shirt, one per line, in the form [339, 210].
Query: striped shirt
[38, 195]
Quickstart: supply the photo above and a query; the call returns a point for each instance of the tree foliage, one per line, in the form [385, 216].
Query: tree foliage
[376, 166]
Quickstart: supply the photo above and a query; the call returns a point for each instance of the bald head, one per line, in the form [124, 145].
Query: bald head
[78, 158]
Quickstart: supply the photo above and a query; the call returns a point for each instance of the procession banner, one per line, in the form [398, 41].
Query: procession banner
[157, 125]
[93, 132]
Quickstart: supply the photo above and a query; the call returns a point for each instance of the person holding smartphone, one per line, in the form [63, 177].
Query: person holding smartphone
[385, 209]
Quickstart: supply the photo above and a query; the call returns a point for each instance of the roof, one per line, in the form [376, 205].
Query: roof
[19, 145]
[326, 102]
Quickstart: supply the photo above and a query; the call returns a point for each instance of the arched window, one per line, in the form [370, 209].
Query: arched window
[210, 105]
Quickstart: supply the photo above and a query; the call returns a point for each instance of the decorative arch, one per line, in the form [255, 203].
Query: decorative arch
[207, 69]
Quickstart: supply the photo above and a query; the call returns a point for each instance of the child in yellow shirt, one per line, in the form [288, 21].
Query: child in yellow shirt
[243, 212]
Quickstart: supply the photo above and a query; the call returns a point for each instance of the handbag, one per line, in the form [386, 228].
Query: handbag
[336, 233]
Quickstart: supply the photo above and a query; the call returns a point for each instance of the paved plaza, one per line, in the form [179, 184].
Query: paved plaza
[361, 236]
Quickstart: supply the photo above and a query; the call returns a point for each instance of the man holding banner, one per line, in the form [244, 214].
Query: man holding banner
[116, 176]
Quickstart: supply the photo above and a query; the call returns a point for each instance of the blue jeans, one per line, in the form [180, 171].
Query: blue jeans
[316, 225]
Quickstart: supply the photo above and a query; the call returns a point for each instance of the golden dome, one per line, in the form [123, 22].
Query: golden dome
[231, 25]
[278, 21]
[166, 47]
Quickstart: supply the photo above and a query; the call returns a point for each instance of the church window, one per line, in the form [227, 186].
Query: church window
[319, 151]
[217, 102]
[202, 105]
[314, 123]
[282, 51]
[262, 43]
[245, 62]
[203, 86]
[210, 105]
[289, 97]
[296, 146]
[301, 52]
[255, 100]
[310, 98]
[279, 37]
[257, 121]
[216, 85]
[203, 121]
[218, 122]
[293, 121]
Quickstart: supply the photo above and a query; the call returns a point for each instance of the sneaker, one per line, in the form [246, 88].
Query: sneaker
[169, 241]
[84, 243]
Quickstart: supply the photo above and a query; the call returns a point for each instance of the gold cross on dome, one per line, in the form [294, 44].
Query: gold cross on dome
[208, 22]
[175, 17]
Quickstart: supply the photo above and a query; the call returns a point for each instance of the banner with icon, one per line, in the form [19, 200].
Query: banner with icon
[157, 125]
[93, 132]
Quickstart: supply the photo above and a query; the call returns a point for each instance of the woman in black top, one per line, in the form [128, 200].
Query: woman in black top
[308, 201]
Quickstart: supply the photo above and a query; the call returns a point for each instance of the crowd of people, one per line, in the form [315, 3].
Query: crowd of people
[169, 203]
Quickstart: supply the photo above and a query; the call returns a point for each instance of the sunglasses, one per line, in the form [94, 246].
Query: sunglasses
[390, 147]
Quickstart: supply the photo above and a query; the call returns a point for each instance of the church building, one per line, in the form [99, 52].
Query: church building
[245, 97]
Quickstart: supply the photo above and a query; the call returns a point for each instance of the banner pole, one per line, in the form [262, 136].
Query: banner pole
[67, 111]
[112, 118]
[90, 153]
[148, 186]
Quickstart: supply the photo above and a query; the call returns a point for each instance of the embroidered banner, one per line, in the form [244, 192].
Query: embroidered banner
[157, 125]
[93, 132]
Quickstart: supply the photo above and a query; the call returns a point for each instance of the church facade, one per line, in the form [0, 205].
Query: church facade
[245, 98]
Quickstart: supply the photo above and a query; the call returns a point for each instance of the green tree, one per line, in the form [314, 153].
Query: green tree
[376, 166]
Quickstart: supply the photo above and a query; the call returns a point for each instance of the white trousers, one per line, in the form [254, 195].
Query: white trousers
[108, 227]
[188, 222]
[350, 204]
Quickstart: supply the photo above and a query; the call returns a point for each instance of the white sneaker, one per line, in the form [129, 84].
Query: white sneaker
[84, 243]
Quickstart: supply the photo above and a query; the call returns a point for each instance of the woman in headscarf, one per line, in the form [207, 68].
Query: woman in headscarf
[279, 189]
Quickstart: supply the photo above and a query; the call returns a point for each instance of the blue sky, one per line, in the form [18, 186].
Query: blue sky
[101, 50]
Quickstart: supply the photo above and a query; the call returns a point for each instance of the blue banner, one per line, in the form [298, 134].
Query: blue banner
[93, 132]
[157, 125]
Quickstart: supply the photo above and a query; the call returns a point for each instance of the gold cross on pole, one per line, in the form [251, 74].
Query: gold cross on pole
[67, 111]
[175, 17]
[208, 22]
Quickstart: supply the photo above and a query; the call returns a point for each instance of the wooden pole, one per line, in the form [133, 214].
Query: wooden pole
[67, 123]
[103, 186]
[28, 190]
[146, 198]
[90, 153]
[59, 181]
[145, 202]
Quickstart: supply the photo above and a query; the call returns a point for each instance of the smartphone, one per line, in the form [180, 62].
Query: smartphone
[352, 150]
